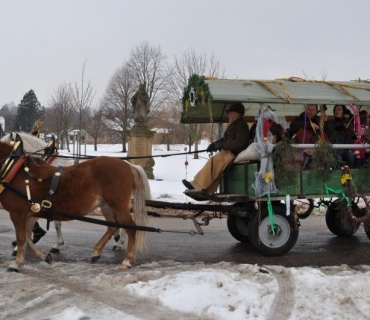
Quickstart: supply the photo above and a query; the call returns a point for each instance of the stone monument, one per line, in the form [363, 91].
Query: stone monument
[140, 137]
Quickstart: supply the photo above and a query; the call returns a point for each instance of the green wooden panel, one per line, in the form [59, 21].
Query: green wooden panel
[240, 177]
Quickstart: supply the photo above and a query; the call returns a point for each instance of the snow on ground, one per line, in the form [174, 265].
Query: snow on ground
[170, 290]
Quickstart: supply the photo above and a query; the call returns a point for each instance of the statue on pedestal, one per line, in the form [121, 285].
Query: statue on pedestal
[139, 138]
[140, 104]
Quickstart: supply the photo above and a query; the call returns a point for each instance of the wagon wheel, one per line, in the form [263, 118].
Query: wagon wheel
[367, 227]
[262, 237]
[304, 208]
[339, 220]
[238, 228]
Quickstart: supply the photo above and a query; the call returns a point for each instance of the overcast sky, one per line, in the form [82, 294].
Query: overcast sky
[44, 43]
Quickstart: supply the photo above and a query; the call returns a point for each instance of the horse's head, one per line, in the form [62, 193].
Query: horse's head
[5, 149]
[13, 148]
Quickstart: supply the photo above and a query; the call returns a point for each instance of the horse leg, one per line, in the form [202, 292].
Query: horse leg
[109, 215]
[37, 231]
[20, 226]
[98, 248]
[37, 252]
[120, 239]
[23, 232]
[130, 253]
[31, 222]
[60, 241]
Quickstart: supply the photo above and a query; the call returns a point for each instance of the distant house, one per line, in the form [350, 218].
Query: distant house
[2, 126]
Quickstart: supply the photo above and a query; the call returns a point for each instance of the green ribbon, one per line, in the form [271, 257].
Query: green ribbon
[271, 214]
[328, 189]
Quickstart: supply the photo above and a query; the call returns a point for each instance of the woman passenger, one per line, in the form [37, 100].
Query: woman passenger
[340, 131]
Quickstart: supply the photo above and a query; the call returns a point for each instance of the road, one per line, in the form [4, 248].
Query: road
[41, 291]
[316, 246]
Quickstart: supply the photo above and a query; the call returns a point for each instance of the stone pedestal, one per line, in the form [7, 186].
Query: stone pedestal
[140, 137]
[140, 145]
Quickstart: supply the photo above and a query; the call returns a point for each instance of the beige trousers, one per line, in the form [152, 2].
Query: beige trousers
[208, 178]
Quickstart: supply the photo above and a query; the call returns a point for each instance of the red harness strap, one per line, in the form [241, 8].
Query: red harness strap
[14, 169]
[12, 172]
[51, 158]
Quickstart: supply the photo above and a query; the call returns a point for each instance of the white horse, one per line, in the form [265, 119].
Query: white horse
[33, 144]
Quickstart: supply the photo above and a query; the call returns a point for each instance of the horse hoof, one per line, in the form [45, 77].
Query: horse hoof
[54, 250]
[11, 269]
[124, 266]
[48, 258]
[94, 259]
[117, 248]
[14, 243]
[14, 253]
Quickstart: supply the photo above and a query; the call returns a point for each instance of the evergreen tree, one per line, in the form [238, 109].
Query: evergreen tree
[29, 110]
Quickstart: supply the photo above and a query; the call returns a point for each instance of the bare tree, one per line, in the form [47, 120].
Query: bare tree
[188, 63]
[82, 97]
[167, 120]
[117, 102]
[61, 112]
[147, 65]
[95, 127]
[324, 75]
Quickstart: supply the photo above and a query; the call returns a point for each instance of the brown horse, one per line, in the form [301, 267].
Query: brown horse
[104, 182]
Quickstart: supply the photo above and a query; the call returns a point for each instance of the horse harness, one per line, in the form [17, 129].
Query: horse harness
[17, 158]
[12, 165]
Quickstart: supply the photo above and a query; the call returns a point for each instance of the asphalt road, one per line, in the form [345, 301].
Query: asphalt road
[316, 246]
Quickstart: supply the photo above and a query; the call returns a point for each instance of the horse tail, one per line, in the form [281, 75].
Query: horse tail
[141, 192]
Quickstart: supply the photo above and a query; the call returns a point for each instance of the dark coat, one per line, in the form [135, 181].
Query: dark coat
[337, 131]
[299, 122]
[236, 136]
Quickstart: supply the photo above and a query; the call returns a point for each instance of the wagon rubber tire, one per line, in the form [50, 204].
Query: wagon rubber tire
[334, 223]
[239, 228]
[264, 241]
[306, 214]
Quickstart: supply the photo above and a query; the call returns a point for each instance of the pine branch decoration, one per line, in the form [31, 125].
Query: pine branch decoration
[324, 160]
[286, 170]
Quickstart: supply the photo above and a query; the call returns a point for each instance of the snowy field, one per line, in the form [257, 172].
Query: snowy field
[172, 290]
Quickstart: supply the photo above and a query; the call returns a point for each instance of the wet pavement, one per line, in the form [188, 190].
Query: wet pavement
[316, 246]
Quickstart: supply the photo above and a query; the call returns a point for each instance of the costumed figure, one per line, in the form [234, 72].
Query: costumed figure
[264, 179]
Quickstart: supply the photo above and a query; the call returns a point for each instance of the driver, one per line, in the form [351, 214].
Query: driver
[235, 140]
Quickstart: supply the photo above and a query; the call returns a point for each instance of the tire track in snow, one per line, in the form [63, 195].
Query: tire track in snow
[79, 286]
[284, 301]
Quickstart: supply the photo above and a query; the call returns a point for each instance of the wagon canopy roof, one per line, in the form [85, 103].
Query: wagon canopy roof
[210, 97]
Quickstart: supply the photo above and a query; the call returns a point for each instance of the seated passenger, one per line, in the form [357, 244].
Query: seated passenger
[340, 131]
[308, 120]
[235, 140]
[360, 153]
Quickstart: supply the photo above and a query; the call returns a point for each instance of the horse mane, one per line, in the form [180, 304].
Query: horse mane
[37, 161]
[30, 142]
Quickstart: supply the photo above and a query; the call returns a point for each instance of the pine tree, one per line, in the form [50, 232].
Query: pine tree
[29, 110]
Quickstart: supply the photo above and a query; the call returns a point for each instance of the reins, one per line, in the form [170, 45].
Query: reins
[51, 211]
[122, 158]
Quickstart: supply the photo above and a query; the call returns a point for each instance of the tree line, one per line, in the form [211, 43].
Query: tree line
[73, 105]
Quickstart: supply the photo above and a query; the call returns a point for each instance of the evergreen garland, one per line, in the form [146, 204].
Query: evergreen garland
[200, 91]
[286, 170]
[324, 161]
